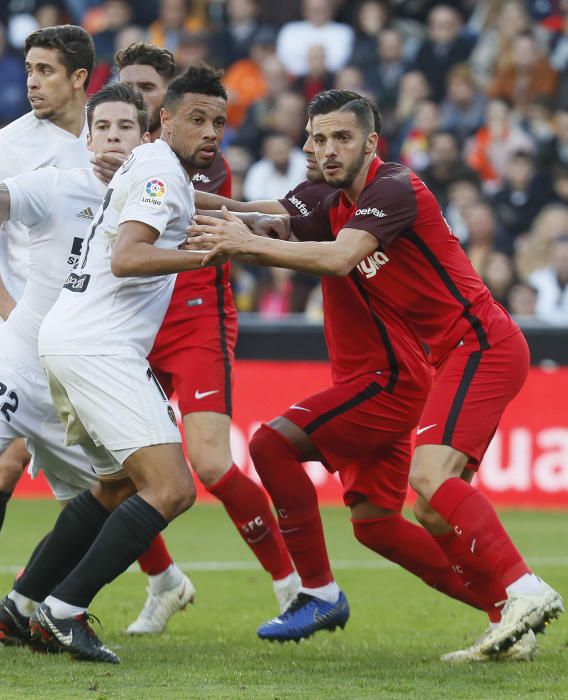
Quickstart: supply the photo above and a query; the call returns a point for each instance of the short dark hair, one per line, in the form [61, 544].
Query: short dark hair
[120, 92]
[142, 54]
[201, 79]
[365, 110]
[73, 44]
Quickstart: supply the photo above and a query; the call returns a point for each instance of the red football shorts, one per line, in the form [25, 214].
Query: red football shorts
[198, 365]
[470, 392]
[363, 433]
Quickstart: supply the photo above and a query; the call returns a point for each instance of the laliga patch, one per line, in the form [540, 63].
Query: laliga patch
[154, 193]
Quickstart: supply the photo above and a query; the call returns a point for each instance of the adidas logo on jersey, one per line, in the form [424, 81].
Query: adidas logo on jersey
[379, 213]
[372, 264]
[86, 214]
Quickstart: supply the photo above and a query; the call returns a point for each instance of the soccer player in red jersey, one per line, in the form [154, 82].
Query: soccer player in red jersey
[386, 234]
[359, 428]
[193, 355]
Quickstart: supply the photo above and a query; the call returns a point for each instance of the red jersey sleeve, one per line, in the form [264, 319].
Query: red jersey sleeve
[315, 226]
[387, 206]
[303, 198]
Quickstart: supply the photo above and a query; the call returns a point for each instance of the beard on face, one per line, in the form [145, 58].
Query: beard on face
[193, 161]
[351, 172]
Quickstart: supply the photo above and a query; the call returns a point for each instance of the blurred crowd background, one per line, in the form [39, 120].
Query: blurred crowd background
[474, 97]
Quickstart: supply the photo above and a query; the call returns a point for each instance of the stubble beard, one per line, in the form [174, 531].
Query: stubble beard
[351, 173]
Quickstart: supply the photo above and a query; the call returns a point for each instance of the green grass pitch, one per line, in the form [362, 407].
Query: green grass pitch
[389, 649]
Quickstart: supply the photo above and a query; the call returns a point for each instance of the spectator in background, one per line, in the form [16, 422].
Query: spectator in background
[351, 78]
[289, 117]
[499, 276]
[413, 89]
[483, 235]
[245, 81]
[539, 125]
[558, 152]
[116, 16]
[384, 74]
[280, 169]
[371, 18]
[463, 192]
[192, 49]
[445, 165]
[50, 14]
[521, 301]
[258, 117]
[463, 108]
[491, 147]
[551, 284]
[533, 251]
[174, 18]
[560, 183]
[274, 292]
[521, 196]
[232, 43]
[13, 102]
[239, 160]
[415, 144]
[317, 27]
[444, 46]
[494, 46]
[528, 74]
[317, 78]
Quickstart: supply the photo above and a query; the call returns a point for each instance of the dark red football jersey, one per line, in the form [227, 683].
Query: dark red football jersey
[305, 197]
[362, 336]
[209, 287]
[419, 268]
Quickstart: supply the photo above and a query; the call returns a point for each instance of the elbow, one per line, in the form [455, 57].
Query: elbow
[119, 265]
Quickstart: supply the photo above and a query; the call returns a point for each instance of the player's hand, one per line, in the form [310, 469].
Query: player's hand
[106, 164]
[271, 226]
[226, 236]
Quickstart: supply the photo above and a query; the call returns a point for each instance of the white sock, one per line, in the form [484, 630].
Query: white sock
[527, 584]
[25, 606]
[62, 610]
[330, 592]
[165, 581]
[280, 584]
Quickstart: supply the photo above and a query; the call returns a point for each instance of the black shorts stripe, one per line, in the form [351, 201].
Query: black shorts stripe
[368, 392]
[450, 285]
[220, 287]
[468, 374]
[385, 339]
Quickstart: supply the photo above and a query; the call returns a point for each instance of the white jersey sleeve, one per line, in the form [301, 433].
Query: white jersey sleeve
[32, 196]
[152, 200]
[9, 162]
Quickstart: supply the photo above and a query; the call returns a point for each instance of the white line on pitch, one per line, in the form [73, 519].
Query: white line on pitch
[339, 564]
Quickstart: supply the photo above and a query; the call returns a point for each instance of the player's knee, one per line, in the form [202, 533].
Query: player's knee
[11, 469]
[262, 446]
[420, 481]
[179, 496]
[211, 473]
[427, 516]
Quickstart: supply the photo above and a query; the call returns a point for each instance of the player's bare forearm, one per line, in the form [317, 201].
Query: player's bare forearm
[232, 237]
[208, 201]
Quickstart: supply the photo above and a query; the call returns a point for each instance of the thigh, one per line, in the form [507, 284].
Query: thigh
[469, 395]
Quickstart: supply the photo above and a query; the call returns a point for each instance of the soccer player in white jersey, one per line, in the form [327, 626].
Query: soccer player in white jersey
[55, 204]
[59, 61]
[94, 344]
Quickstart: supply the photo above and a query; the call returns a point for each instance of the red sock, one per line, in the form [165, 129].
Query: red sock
[413, 548]
[295, 499]
[476, 524]
[482, 582]
[156, 558]
[248, 508]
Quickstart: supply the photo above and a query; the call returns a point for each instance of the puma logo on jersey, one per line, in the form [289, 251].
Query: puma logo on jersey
[300, 206]
[379, 213]
[373, 263]
[86, 214]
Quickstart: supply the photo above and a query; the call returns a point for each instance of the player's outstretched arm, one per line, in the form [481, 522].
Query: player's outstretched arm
[207, 201]
[135, 255]
[7, 303]
[230, 236]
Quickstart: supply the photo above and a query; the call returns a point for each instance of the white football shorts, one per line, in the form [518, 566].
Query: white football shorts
[112, 404]
[26, 410]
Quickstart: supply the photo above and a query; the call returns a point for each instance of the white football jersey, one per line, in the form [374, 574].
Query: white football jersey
[27, 144]
[98, 313]
[57, 207]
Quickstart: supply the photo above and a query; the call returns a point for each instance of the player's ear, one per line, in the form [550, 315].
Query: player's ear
[78, 77]
[89, 141]
[145, 137]
[372, 142]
